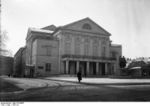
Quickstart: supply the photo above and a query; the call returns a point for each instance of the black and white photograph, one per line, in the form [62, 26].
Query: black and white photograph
[74, 51]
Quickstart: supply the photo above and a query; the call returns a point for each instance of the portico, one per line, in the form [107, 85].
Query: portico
[89, 66]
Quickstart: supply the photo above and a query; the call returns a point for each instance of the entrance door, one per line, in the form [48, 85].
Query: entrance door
[31, 72]
[103, 68]
[92, 68]
[72, 67]
[83, 66]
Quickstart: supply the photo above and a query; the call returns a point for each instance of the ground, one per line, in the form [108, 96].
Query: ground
[68, 89]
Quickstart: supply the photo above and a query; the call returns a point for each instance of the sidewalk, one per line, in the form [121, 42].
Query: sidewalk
[102, 80]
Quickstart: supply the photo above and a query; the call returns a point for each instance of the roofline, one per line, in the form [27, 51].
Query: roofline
[40, 30]
[91, 21]
[84, 31]
[116, 45]
[75, 22]
[31, 30]
[20, 49]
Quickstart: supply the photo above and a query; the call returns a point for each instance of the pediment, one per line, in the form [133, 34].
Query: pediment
[86, 25]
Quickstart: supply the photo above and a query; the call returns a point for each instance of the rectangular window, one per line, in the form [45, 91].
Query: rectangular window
[49, 51]
[40, 67]
[103, 51]
[113, 54]
[67, 47]
[47, 67]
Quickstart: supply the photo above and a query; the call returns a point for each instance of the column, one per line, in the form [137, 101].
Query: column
[87, 68]
[67, 66]
[97, 68]
[106, 68]
[77, 66]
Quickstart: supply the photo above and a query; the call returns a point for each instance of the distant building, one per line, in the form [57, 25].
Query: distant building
[19, 62]
[63, 50]
[6, 65]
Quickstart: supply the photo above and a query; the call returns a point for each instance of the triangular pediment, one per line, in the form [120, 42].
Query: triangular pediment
[86, 25]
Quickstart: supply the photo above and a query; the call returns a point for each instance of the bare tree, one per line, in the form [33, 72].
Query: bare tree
[3, 42]
[3, 39]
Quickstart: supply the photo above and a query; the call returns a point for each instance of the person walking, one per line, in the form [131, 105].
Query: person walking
[79, 75]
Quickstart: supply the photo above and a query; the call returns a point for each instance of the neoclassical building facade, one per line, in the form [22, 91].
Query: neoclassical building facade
[80, 45]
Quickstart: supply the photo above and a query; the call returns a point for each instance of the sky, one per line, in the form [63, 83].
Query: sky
[128, 21]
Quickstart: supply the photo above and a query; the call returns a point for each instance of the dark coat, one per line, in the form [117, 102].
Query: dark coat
[79, 75]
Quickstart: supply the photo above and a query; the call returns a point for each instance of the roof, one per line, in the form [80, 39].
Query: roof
[115, 45]
[19, 51]
[40, 30]
[134, 68]
[50, 27]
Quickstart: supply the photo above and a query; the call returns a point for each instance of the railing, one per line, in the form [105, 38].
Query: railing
[87, 57]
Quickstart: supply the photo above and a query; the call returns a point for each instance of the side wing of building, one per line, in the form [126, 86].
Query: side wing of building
[42, 54]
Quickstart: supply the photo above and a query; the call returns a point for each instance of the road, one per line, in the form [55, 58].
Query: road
[68, 89]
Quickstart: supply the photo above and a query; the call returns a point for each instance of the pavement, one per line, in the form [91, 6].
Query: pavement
[101, 80]
[68, 89]
[31, 83]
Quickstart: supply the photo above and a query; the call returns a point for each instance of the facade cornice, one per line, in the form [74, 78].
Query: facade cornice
[88, 58]
[85, 32]
[32, 31]
[90, 35]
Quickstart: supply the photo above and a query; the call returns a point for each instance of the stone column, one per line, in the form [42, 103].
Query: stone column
[67, 66]
[77, 66]
[87, 68]
[97, 68]
[106, 68]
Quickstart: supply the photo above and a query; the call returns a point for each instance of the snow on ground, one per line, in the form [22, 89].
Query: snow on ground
[101, 80]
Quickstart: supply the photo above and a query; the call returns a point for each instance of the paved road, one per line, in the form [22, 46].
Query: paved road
[91, 89]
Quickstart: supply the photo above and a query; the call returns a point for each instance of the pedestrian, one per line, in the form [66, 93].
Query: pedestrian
[79, 75]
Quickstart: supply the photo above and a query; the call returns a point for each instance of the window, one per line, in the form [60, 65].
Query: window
[86, 49]
[87, 26]
[67, 47]
[104, 51]
[95, 47]
[40, 67]
[68, 37]
[47, 67]
[114, 54]
[49, 51]
[77, 45]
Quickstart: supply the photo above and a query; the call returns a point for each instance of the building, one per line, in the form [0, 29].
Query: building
[63, 50]
[19, 62]
[6, 65]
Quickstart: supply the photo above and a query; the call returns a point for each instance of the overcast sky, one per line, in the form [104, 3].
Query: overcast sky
[127, 20]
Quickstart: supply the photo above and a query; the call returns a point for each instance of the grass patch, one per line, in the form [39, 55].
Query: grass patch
[6, 86]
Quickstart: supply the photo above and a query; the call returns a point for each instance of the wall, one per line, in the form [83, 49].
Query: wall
[19, 62]
[116, 51]
[6, 65]
[42, 56]
[85, 43]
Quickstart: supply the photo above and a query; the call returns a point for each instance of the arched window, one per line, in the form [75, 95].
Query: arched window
[87, 26]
